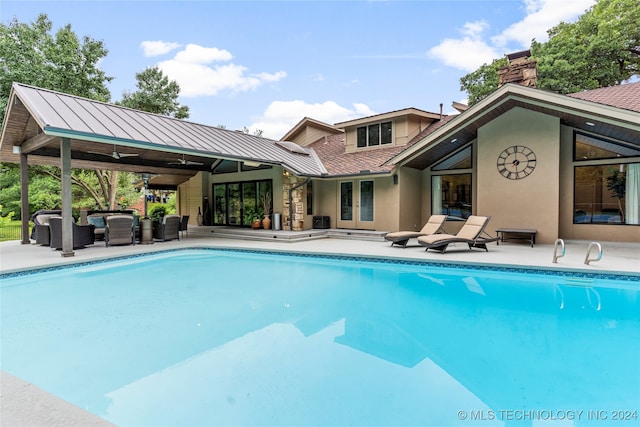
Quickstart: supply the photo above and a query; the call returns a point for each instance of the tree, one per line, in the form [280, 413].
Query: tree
[155, 94]
[29, 54]
[482, 82]
[600, 49]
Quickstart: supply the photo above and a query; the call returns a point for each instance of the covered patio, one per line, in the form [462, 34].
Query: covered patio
[44, 127]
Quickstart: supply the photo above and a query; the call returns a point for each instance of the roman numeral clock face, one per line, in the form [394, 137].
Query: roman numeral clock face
[516, 162]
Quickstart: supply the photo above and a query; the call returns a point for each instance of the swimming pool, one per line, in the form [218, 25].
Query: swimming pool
[215, 337]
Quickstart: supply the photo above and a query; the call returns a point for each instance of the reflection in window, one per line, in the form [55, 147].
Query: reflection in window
[607, 194]
[451, 195]
[226, 166]
[591, 148]
[458, 160]
[346, 201]
[366, 200]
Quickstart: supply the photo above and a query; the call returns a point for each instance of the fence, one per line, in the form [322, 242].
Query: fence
[11, 232]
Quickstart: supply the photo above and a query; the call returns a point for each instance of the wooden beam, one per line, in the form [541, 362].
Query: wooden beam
[36, 142]
[67, 218]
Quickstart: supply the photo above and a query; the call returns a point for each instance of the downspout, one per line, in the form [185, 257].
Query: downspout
[291, 201]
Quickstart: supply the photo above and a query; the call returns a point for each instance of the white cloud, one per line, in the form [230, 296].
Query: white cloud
[281, 116]
[542, 15]
[158, 47]
[473, 49]
[193, 70]
[467, 53]
[192, 53]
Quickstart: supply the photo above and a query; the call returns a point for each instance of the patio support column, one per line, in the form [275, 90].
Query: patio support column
[67, 218]
[24, 198]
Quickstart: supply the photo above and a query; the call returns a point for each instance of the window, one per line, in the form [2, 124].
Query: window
[458, 160]
[226, 166]
[451, 195]
[373, 135]
[607, 191]
[235, 201]
[310, 198]
[592, 148]
[607, 194]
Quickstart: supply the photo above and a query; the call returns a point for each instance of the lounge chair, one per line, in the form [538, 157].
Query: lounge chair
[83, 235]
[119, 230]
[433, 226]
[471, 233]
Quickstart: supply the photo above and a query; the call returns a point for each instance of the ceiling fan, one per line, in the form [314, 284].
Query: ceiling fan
[116, 155]
[183, 162]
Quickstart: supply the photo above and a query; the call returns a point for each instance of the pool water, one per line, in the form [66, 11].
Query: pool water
[214, 337]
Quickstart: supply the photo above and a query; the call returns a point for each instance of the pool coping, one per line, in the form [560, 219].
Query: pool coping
[502, 267]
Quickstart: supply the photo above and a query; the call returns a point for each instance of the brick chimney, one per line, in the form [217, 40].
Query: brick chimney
[521, 70]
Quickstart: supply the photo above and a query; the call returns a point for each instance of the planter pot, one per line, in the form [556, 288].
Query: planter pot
[255, 224]
[266, 222]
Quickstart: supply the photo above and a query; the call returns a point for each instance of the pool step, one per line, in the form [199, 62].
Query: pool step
[288, 236]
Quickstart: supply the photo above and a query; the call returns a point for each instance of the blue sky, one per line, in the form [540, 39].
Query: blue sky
[267, 64]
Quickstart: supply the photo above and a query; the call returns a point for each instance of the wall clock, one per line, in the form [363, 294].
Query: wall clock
[516, 162]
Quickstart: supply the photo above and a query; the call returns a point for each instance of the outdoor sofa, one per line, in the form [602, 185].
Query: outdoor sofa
[83, 235]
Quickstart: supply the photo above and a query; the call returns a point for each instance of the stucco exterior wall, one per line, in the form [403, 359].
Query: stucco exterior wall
[190, 197]
[531, 202]
[410, 205]
[385, 204]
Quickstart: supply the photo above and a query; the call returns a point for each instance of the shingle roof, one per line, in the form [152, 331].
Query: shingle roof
[330, 150]
[62, 114]
[626, 96]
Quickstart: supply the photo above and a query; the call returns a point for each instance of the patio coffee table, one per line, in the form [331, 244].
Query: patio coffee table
[528, 234]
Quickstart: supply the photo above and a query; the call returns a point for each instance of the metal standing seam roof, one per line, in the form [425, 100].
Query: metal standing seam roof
[66, 115]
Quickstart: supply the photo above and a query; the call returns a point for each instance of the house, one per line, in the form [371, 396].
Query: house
[568, 166]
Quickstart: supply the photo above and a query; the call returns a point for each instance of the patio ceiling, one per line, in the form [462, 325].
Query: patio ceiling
[172, 150]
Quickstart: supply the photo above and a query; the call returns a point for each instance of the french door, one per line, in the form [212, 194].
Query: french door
[355, 204]
[234, 203]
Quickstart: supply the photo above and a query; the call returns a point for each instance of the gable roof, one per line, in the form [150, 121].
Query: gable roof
[605, 120]
[36, 118]
[307, 122]
[410, 112]
[626, 96]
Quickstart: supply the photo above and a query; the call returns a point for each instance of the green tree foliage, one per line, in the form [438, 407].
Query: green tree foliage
[155, 94]
[482, 82]
[600, 49]
[29, 54]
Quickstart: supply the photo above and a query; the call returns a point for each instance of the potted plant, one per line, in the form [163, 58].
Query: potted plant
[252, 216]
[266, 209]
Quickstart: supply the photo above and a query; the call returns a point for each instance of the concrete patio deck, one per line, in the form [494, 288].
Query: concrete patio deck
[24, 404]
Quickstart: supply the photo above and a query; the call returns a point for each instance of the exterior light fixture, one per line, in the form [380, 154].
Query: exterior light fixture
[454, 140]
[590, 124]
